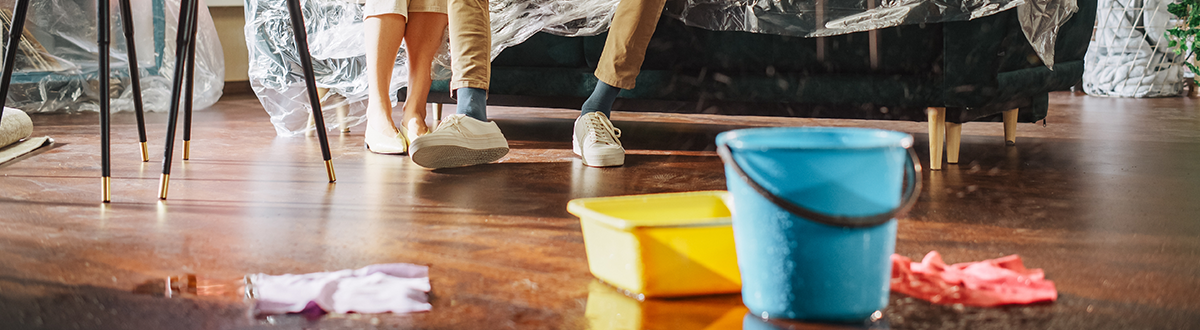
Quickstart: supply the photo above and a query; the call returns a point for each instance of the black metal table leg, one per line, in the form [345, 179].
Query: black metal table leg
[182, 86]
[186, 32]
[10, 50]
[189, 87]
[134, 76]
[301, 35]
[103, 38]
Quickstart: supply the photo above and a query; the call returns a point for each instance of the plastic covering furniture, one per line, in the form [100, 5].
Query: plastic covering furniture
[16, 40]
[946, 72]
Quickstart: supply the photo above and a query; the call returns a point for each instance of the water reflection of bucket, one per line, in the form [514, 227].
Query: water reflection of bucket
[813, 217]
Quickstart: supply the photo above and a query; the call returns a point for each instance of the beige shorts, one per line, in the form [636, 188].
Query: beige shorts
[403, 7]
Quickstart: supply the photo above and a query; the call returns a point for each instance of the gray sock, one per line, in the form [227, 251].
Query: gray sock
[472, 102]
[601, 99]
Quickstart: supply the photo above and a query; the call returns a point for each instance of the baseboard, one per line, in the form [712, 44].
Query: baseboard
[237, 87]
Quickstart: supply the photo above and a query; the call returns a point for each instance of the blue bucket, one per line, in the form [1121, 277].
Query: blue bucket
[814, 213]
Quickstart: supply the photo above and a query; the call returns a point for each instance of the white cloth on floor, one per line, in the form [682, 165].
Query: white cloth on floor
[396, 288]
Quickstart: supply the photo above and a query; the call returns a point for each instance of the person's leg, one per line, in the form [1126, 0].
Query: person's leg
[422, 38]
[465, 138]
[383, 36]
[624, 50]
[594, 138]
[470, 53]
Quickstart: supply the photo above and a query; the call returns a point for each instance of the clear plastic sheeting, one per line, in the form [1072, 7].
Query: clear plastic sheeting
[812, 18]
[1040, 19]
[57, 66]
[1128, 56]
[335, 41]
[514, 21]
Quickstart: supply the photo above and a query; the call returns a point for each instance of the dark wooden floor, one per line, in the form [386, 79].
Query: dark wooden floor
[1106, 200]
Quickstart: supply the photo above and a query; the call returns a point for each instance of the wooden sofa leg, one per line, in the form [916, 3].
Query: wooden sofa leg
[437, 114]
[937, 136]
[342, 112]
[953, 137]
[1010, 127]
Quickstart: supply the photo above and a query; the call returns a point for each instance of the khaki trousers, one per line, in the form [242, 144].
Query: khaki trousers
[470, 44]
[632, 26]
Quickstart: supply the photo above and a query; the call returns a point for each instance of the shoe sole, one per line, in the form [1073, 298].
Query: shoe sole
[455, 156]
[384, 152]
[430, 154]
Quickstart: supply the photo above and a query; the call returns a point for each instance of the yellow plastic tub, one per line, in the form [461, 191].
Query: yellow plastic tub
[660, 245]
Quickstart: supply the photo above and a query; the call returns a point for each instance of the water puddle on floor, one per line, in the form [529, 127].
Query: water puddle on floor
[190, 285]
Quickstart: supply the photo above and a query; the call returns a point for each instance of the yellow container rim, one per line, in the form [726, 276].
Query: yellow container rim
[583, 208]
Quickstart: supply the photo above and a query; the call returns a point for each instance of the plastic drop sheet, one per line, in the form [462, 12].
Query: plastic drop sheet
[335, 37]
[57, 67]
[1040, 19]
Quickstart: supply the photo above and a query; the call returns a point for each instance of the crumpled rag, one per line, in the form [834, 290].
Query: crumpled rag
[993, 282]
[396, 288]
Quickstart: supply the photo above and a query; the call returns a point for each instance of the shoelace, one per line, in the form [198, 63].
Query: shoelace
[598, 125]
[446, 123]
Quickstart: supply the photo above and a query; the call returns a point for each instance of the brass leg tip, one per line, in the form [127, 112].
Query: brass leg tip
[187, 150]
[105, 188]
[145, 153]
[329, 170]
[163, 181]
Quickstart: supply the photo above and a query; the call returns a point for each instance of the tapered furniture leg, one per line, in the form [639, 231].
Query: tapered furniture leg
[134, 76]
[187, 14]
[937, 136]
[188, 89]
[953, 138]
[103, 39]
[10, 50]
[1010, 127]
[343, 111]
[437, 114]
[301, 35]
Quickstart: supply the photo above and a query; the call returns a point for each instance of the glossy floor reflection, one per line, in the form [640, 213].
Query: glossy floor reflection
[1104, 199]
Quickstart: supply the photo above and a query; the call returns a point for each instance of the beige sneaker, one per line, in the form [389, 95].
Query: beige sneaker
[595, 140]
[459, 141]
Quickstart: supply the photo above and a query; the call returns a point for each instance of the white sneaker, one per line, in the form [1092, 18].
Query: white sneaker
[595, 140]
[459, 141]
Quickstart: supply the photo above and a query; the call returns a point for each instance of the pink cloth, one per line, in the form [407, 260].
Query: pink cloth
[396, 288]
[987, 283]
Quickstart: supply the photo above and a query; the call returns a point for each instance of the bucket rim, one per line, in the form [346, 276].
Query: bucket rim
[582, 208]
[733, 139]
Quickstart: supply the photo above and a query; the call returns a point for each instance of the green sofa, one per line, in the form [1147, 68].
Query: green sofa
[967, 71]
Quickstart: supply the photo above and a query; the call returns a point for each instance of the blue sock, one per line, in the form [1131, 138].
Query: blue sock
[601, 100]
[472, 102]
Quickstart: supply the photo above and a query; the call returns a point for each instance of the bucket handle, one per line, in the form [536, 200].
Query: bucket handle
[911, 191]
